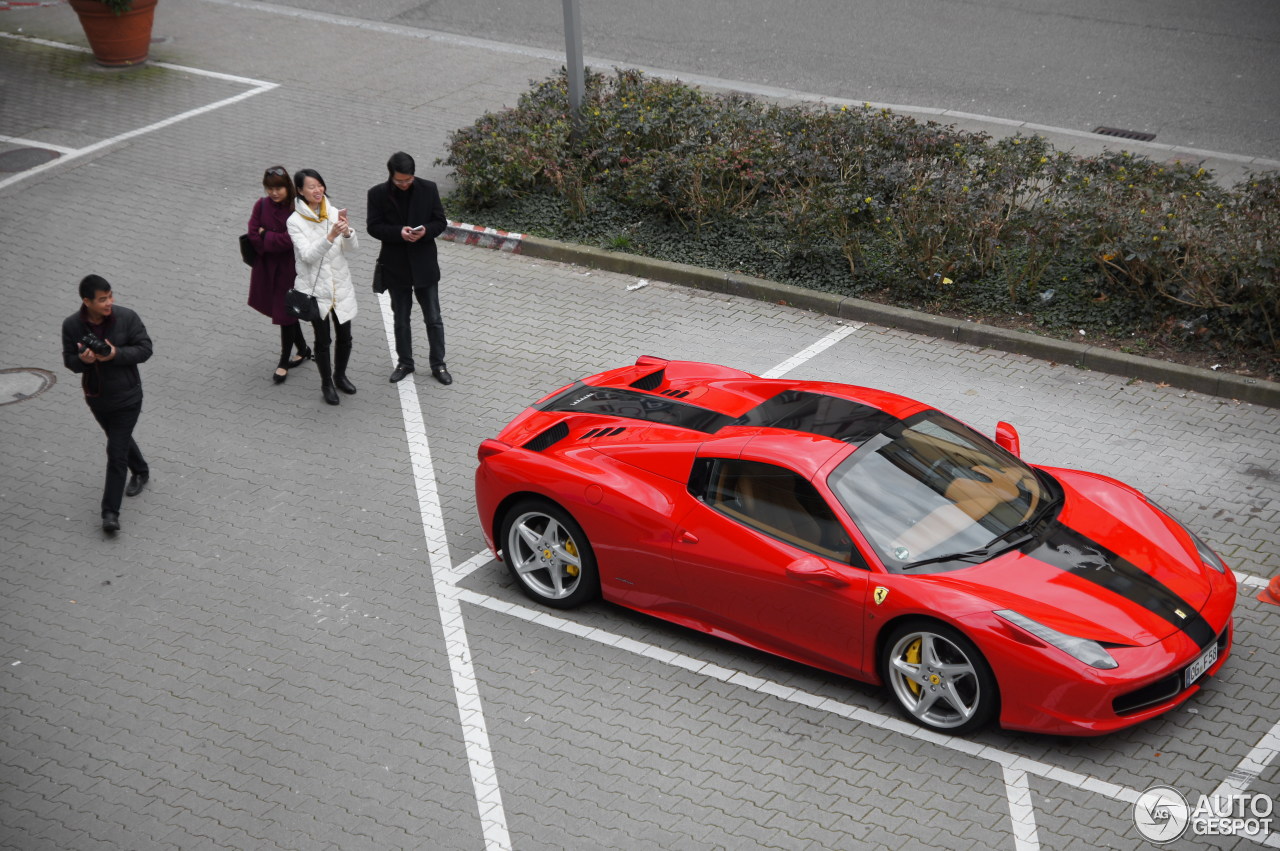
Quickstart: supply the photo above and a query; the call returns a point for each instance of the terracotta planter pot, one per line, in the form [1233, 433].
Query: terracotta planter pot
[115, 39]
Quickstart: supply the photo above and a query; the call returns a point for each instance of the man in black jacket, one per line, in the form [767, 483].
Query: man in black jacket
[406, 216]
[108, 366]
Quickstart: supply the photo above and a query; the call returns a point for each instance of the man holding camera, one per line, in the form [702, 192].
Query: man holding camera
[406, 216]
[104, 343]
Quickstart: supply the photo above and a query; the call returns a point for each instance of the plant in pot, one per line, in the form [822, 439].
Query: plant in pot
[119, 31]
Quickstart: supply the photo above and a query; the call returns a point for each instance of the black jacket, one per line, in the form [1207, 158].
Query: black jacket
[116, 383]
[406, 264]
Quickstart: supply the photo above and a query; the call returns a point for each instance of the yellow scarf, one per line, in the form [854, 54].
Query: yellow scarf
[304, 210]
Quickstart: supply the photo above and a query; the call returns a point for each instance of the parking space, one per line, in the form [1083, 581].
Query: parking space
[298, 640]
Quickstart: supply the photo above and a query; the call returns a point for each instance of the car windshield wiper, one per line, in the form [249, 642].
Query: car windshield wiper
[1025, 526]
[1012, 537]
[971, 556]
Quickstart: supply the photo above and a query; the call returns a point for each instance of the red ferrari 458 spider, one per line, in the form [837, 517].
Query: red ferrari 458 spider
[862, 533]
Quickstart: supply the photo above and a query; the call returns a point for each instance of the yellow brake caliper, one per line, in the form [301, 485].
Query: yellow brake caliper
[913, 656]
[571, 549]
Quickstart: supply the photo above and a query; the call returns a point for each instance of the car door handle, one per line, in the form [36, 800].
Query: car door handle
[811, 569]
[684, 536]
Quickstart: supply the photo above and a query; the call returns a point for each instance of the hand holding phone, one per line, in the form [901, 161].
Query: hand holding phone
[419, 229]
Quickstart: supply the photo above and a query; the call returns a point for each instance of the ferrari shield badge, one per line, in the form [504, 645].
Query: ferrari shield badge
[879, 594]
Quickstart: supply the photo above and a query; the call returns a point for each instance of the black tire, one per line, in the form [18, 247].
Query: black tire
[939, 678]
[548, 554]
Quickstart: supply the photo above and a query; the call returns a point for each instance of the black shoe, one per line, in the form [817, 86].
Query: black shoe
[344, 385]
[400, 372]
[110, 521]
[299, 360]
[330, 395]
[137, 482]
[442, 375]
[279, 377]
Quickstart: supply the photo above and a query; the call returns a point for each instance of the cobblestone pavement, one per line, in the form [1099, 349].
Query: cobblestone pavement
[297, 642]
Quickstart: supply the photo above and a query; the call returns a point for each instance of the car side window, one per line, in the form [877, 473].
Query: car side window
[776, 501]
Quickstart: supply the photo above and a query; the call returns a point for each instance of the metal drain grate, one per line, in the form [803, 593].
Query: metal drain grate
[1135, 135]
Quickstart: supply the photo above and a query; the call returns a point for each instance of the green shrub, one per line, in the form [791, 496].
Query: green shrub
[858, 200]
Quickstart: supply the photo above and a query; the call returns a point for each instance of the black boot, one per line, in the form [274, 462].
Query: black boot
[341, 355]
[326, 376]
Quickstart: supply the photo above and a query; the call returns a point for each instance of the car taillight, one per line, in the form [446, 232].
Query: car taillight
[490, 448]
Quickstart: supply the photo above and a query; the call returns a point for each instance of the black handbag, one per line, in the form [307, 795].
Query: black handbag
[301, 306]
[304, 306]
[248, 253]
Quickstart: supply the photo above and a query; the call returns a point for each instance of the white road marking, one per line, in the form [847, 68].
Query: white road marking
[812, 351]
[1252, 766]
[69, 154]
[475, 733]
[1021, 809]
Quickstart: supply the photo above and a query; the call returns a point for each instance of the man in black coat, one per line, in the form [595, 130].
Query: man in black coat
[108, 368]
[406, 216]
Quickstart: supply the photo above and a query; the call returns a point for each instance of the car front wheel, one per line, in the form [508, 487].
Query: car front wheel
[548, 554]
[939, 678]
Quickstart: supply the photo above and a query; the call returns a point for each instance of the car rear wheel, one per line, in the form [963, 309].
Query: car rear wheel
[939, 678]
[548, 554]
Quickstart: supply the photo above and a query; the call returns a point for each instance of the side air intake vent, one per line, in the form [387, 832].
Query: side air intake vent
[559, 431]
[603, 432]
[675, 394]
[652, 381]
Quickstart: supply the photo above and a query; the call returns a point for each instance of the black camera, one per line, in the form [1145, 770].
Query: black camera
[91, 342]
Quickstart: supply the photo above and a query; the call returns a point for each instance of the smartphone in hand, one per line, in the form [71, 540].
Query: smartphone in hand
[418, 229]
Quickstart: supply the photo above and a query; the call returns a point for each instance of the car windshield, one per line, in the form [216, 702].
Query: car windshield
[929, 487]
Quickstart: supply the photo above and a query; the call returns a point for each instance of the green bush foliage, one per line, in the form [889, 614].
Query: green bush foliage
[860, 200]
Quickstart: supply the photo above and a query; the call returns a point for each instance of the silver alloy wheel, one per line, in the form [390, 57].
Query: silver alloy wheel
[544, 555]
[935, 680]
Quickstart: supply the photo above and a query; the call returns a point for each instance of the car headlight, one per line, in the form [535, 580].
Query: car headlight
[1207, 555]
[1090, 652]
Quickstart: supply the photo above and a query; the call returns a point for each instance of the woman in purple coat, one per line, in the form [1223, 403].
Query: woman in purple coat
[273, 271]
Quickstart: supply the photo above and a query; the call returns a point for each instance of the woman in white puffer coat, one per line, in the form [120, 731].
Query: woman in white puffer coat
[322, 236]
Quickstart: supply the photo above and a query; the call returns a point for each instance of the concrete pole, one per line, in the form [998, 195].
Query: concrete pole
[573, 61]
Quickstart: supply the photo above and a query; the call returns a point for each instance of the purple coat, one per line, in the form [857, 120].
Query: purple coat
[273, 272]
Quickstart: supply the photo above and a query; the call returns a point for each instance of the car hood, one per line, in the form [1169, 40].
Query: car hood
[1110, 567]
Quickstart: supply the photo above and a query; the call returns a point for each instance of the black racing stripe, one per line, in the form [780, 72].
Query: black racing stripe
[817, 413]
[1068, 550]
[586, 399]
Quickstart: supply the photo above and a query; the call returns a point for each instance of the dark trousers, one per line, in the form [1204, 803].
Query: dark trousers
[291, 338]
[123, 455]
[342, 351]
[402, 306]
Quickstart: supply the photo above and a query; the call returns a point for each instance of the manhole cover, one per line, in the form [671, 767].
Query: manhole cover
[17, 385]
[22, 159]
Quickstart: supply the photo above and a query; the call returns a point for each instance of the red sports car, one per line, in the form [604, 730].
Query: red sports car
[863, 533]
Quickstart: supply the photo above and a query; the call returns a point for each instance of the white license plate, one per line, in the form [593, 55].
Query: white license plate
[1199, 666]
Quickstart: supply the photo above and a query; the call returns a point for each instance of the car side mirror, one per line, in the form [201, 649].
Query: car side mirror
[810, 569]
[1007, 438]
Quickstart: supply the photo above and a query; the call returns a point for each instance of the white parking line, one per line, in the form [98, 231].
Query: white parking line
[1021, 809]
[69, 154]
[1252, 766]
[812, 351]
[475, 733]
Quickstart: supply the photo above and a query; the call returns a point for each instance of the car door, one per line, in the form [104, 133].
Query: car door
[762, 559]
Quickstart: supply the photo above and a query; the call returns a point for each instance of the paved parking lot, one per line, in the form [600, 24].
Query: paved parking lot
[297, 640]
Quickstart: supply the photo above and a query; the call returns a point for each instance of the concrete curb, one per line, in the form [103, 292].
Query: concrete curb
[1254, 390]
